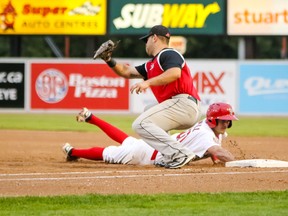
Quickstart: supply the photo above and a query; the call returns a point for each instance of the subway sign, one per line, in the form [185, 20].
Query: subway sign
[181, 17]
[53, 17]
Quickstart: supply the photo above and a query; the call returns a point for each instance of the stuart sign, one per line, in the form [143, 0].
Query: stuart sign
[257, 17]
[182, 17]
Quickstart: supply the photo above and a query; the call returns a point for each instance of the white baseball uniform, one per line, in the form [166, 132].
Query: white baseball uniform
[198, 139]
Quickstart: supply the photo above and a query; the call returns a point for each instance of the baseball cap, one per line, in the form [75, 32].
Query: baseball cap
[158, 30]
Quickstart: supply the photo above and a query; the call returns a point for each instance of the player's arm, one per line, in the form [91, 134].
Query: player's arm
[126, 71]
[172, 72]
[168, 76]
[217, 152]
[163, 79]
[171, 62]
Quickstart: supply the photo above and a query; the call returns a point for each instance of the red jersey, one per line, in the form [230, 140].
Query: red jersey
[164, 60]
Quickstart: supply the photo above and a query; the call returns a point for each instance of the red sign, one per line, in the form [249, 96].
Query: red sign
[77, 85]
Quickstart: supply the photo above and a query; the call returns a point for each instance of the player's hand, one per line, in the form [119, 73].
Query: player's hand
[139, 87]
[215, 159]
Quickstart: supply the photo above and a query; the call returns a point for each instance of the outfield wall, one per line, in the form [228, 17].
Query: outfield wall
[66, 85]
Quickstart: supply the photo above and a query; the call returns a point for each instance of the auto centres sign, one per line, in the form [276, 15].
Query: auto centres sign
[181, 17]
[77, 85]
[257, 17]
[52, 17]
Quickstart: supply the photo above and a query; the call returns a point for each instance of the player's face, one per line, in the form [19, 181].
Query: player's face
[149, 45]
[221, 126]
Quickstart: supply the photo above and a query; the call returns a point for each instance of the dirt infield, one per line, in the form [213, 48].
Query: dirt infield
[32, 163]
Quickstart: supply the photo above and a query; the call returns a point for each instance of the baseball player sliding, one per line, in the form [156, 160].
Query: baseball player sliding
[204, 139]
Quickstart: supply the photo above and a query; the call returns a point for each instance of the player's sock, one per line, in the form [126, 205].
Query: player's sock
[113, 132]
[90, 154]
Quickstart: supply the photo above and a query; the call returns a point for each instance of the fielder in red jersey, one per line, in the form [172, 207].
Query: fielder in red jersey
[170, 80]
[166, 59]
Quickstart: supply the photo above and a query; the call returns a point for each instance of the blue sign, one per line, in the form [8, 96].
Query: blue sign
[263, 89]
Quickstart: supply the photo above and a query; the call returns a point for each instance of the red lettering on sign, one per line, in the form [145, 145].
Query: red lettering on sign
[43, 11]
[207, 82]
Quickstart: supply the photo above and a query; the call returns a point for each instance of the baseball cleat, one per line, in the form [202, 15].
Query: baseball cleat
[179, 162]
[160, 164]
[67, 149]
[84, 115]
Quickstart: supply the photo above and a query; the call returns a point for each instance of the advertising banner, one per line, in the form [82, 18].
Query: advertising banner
[264, 88]
[77, 85]
[53, 17]
[180, 16]
[12, 82]
[257, 17]
[214, 80]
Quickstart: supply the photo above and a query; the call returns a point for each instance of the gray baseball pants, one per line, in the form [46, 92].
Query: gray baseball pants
[176, 113]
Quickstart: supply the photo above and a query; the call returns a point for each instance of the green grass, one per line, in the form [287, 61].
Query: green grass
[246, 126]
[260, 126]
[262, 203]
[59, 122]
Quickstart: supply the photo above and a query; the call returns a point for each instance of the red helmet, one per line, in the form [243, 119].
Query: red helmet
[221, 111]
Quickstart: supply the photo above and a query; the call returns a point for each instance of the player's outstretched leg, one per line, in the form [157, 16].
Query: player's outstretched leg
[113, 132]
[73, 154]
[67, 149]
